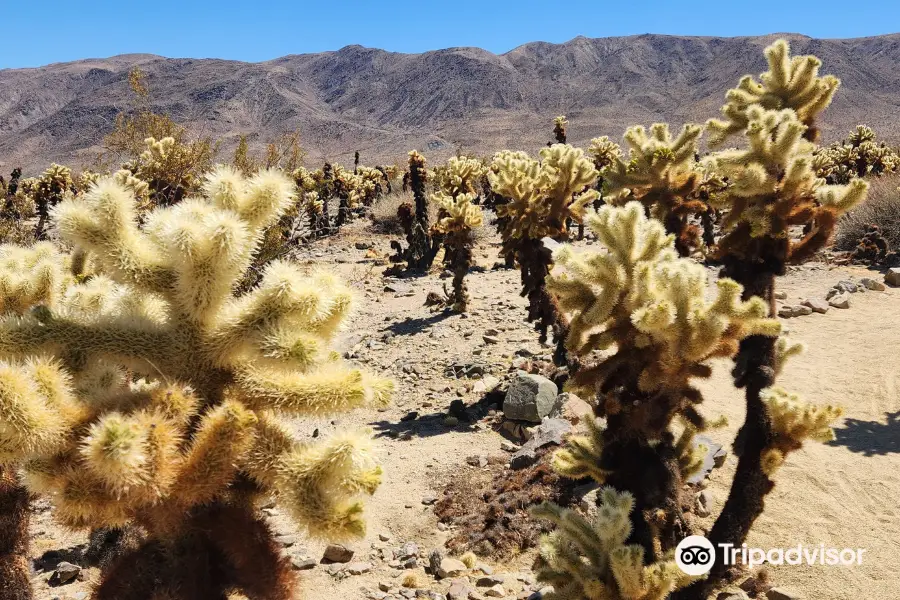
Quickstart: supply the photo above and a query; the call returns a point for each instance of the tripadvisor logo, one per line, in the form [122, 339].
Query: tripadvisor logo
[695, 555]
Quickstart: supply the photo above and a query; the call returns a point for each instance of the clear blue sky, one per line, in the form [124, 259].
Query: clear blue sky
[36, 33]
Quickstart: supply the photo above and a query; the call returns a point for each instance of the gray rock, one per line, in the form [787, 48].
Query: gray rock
[871, 284]
[704, 503]
[802, 310]
[847, 286]
[451, 567]
[337, 553]
[490, 581]
[477, 461]
[892, 277]
[495, 591]
[431, 498]
[782, 594]
[434, 561]
[571, 408]
[529, 397]
[786, 311]
[286, 541]
[66, 572]
[781, 295]
[841, 300]
[303, 564]
[358, 568]
[458, 591]
[549, 432]
[816, 305]
[408, 549]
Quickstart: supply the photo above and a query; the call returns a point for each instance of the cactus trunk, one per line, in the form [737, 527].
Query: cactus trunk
[15, 580]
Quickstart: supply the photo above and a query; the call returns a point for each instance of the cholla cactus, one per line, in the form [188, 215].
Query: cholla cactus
[150, 394]
[638, 297]
[772, 188]
[420, 253]
[858, 156]
[460, 175]
[459, 216]
[543, 197]
[662, 174]
[590, 560]
[47, 191]
[790, 83]
[559, 129]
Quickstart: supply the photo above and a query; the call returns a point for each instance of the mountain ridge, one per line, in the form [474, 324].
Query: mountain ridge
[385, 103]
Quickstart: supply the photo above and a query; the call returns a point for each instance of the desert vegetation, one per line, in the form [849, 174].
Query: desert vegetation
[186, 389]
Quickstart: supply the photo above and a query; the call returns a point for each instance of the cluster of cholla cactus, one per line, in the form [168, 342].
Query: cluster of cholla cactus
[138, 390]
[171, 168]
[857, 156]
[661, 173]
[543, 198]
[420, 251]
[590, 559]
[47, 191]
[457, 217]
[647, 310]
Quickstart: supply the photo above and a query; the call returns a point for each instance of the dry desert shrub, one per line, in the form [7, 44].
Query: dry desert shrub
[882, 209]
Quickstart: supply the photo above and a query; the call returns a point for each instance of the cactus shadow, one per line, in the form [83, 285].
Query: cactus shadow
[870, 438]
[422, 426]
[411, 326]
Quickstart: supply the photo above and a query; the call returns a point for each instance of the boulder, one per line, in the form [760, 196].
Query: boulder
[451, 567]
[337, 553]
[529, 397]
[66, 572]
[802, 310]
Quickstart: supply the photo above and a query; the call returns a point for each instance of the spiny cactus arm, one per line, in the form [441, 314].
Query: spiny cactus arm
[328, 390]
[565, 174]
[580, 457]
[460, 214]
[104, 222]
[223, 437]
[37, 410]
[320, 484]
[790, 83]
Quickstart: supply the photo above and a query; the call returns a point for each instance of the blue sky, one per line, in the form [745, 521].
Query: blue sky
[37, 33]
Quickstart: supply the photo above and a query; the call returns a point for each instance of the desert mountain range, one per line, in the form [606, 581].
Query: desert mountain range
[386, 103]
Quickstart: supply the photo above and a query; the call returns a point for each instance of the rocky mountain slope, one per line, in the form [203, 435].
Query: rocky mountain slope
[385, 103]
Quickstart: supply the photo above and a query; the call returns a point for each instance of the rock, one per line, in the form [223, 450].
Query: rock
[841, 300]
[847, 286]
[66, 572]
[490, 339]
[384, 537]
[550, 431]
[477, 461]
[802, 310]
[786, 311]
[892, 277]
[358, 568]
[434, 561]
[429, 499]
[529, 397]
[782, 594]
[409, 548]
[490, 581]
[816, 305]
[458, 591]
[871, 284]
[832, 293]
[337, 553]
[303, 564]
[450, 567]
[571, 408]
[486, 384]
[508, 446]
[495, 591]
[362, 245]
[714, 457]
[781, 295]
[451, 421]
[286, 541]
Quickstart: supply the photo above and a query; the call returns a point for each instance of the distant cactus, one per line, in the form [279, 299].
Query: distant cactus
[542, 198]
[146, 392]
[47, 191]
[420, 252]
[560, 124]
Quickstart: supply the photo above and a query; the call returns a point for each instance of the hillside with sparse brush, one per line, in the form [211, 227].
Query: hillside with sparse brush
[383, 103]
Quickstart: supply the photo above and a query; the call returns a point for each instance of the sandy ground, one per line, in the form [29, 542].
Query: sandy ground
[843, 494]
